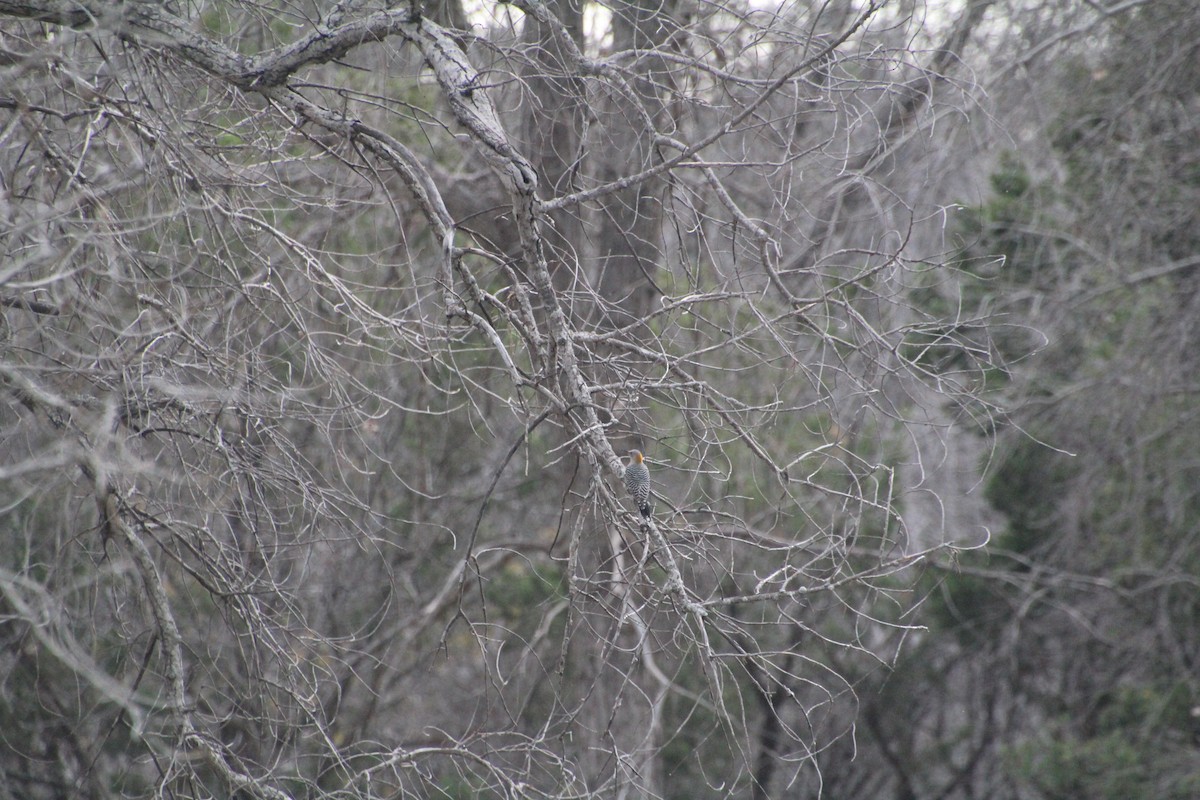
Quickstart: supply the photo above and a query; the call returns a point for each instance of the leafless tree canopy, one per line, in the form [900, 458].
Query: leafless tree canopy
[326, 328]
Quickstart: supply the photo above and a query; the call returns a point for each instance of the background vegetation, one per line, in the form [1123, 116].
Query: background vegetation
[326, 326]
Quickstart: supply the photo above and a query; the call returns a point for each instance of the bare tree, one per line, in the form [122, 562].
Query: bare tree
[326, 327]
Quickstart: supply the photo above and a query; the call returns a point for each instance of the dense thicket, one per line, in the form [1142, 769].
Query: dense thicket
[325, 327]
[1062, 662]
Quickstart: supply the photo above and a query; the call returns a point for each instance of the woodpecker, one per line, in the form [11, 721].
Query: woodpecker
[637, 482]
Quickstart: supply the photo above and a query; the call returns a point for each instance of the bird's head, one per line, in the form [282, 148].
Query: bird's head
[635, 457]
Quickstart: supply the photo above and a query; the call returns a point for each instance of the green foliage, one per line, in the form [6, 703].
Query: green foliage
[1108, 768]
[521, 587]
[1152, 710]
[1027, 485]
[1004, 252]
[969, 607]
[694, 749]
[1141, 739]
[1011, 241]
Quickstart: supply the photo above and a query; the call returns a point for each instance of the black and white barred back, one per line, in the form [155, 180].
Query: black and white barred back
[637, 482]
